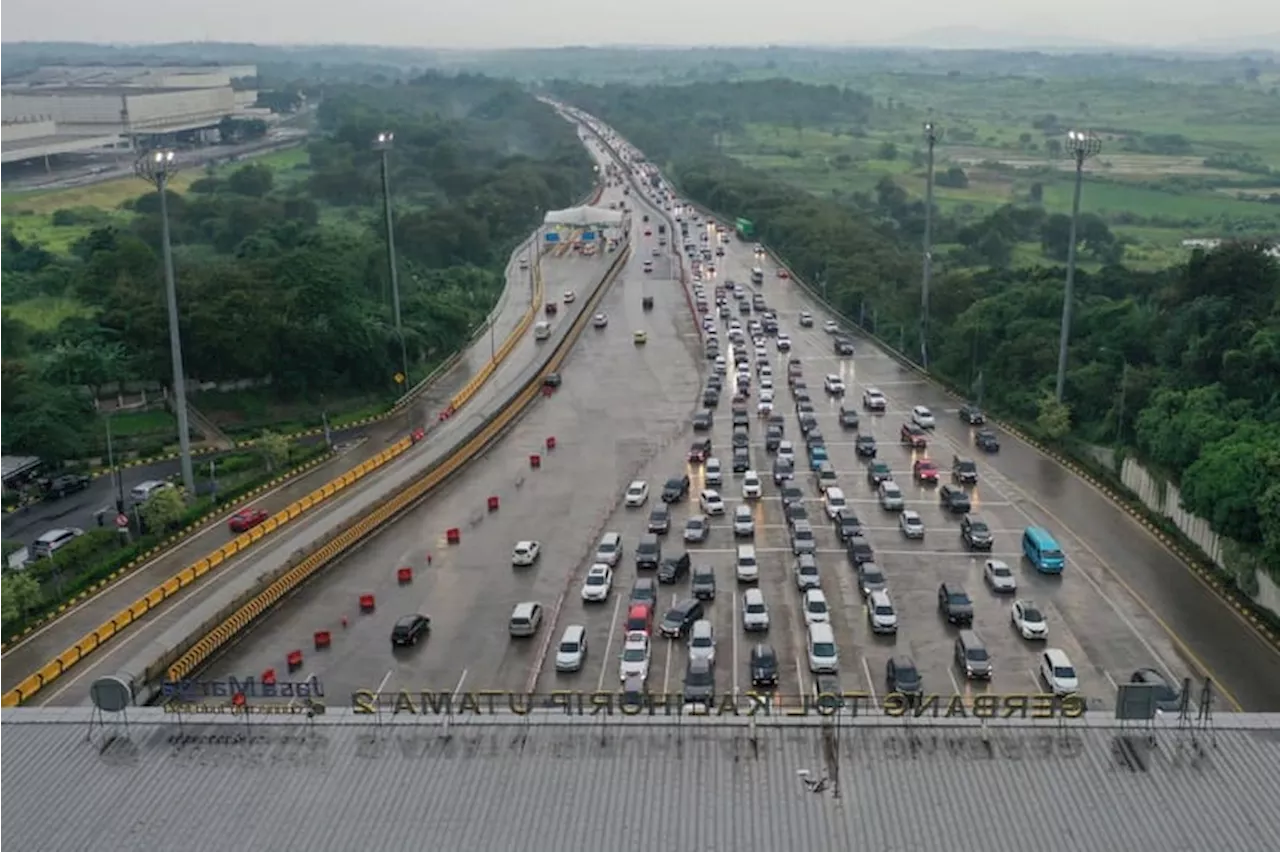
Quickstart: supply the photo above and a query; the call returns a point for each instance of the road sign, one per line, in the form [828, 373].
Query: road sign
[122, 520]
[553, 238]
[399, 377]
[588, 236]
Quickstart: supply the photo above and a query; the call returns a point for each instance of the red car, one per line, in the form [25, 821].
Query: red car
[700, 451]
[925, 470]
[913, 436]
[247, 519]
[782, 273]
[648, 232]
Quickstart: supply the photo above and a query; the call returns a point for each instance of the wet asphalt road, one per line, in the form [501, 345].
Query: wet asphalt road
[1123, 603]
[362, 443]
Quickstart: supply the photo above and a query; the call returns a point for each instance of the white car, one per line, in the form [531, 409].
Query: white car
[744, 523]
[873, 400]
[635, 657]
[712, 472]
[764, 409]
[816, 610]
[1058, 673]
[702, 642]
[834, 385]
[911, 524]
[783, 343]
[525, 553]
[755, 612]
[834, 502]
[600, 321]
[766, 392]
[922, 417]
[999, 576]
[571, 653]
[637, 494]
[1028, 620]
[787, 450]
[711, 502]
[598, 583]
[830, 327]
[880, 613]
[570, 297]
[752, 488]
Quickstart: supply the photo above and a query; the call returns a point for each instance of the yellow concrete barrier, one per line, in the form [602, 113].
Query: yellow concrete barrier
[209, 644]
[33, 684]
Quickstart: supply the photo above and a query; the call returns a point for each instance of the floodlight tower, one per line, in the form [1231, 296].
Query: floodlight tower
[931, 134]
[1082, 145]
[156, 168]
[382, 144]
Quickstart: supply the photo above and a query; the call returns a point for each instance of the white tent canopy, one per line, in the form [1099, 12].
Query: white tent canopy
[579, 217]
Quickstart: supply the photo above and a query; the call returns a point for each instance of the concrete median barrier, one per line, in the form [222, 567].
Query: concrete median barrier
[96, 638]
[180, 662]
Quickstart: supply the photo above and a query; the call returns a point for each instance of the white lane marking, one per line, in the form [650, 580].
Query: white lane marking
[671, 649]
[1115, 687]
[801, 688]
[871, 684]
[608, 643]
[955, 685]
[733, 633]
[308, 679]
[382, 684]
[457, 690]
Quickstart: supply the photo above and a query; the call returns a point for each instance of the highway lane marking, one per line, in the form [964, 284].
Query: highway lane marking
[1011, 485]
[733, 636]
[457, 690]
[137, 572]
[951, 675]
[871, 684]
[1114, 686]
[608, 643]
[666, 667]
[382, 684]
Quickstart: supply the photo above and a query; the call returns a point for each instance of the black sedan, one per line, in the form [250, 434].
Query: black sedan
[409, 629]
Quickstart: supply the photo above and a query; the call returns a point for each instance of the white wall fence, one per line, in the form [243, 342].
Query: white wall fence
[1163, 497]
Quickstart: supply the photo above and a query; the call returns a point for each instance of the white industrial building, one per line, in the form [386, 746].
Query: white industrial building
[72, 109]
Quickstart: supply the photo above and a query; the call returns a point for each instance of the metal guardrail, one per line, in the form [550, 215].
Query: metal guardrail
[208, 645]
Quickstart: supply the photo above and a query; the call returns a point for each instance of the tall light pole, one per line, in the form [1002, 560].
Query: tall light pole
[1082, 145]
[156, 168]
[931, 139]
[382, 144]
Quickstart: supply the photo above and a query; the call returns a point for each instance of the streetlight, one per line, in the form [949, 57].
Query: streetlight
[156, 168]
[382, 144]
[931, 139]
[1082, 145]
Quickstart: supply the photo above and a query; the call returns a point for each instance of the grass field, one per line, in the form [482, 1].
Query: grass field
[46, 313]
[988, 125]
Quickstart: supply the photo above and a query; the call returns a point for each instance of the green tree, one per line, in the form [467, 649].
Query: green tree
[254, 180]
[163, 509]
[887, 151]
[20, 595]
[274, 449]
[1054, 418]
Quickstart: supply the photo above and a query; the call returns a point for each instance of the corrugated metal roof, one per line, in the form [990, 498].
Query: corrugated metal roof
[498, 783]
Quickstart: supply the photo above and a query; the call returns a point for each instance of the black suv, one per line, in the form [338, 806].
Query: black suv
[859, 551]
[964, 469]
[703, 584]
[849, 417]
[764, 666]
[741, 460]
[954, 603]
[972, 415]
[866, 446]
[986, 440]
[711, 397]
[702, 421]
[902, 676]
[673, 568]
[772, 438]
[740, 418]
[676, 489]
[843, 346]
[660, 519]
[847, 525]
[953, 499]
[700, 683]
[975, 533]
[68, 483]
[680, 618]
[409, 629]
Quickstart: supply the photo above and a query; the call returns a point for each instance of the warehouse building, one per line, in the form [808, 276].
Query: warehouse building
[63, 110]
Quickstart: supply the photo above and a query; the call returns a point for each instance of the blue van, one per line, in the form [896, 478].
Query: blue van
[1043, 551]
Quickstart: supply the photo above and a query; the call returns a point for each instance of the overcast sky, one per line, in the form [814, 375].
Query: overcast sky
[552, 23]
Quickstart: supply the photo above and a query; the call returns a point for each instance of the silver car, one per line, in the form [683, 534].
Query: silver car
[696, 529]
[744, 524]
[999, 577]
[890, 496]
[911, 524]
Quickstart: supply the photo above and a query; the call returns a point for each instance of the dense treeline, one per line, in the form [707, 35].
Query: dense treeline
[286, 277]
[1181, 365]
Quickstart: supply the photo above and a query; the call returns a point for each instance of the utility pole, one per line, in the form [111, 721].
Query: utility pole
[156, 168]
[931, 139]
[382, 144]
[1082, 145]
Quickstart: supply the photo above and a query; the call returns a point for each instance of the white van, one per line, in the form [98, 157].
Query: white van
[142, 492]
[748, 568]
[542, 331]
[823, 657]
[49, 543]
